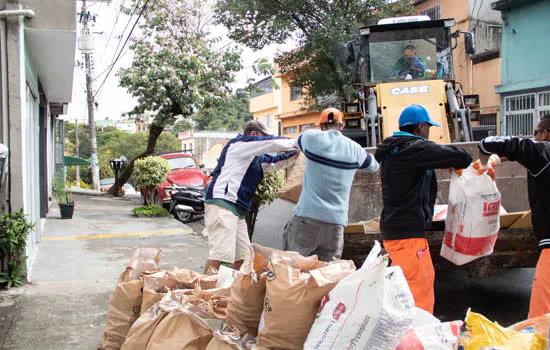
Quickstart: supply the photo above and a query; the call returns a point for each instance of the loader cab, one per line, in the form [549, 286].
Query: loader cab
[401, 61]
[406, 48]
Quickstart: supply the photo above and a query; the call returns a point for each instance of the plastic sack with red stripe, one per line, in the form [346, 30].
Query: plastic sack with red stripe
[370, 309]
[473, 220]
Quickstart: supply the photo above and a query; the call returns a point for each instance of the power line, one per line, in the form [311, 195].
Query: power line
[113, 62]
[127, 24]
[123, 46]
[114, 25]
[109, 66]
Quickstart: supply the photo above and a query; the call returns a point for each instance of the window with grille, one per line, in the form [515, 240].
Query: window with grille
[304, 127]
[523, 112]
[290, 130]
[261, 88]
[295, 93]
[268, 120]
[433, 13]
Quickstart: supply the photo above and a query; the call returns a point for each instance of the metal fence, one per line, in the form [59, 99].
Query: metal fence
[523, 112]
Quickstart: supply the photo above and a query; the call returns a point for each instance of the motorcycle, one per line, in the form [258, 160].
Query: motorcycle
[187, 201]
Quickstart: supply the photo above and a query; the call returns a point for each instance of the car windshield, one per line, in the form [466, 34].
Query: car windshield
[109, 181]
[181, 163]
[418, 54]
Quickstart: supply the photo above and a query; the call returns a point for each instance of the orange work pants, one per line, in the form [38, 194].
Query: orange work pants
[540, 293]
[413, 256]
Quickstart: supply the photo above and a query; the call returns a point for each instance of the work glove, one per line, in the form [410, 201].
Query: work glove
[488, 168]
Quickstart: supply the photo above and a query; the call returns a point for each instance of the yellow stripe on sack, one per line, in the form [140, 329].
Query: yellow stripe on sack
[115, 235]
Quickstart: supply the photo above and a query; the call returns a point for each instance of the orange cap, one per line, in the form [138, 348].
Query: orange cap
[331, 116]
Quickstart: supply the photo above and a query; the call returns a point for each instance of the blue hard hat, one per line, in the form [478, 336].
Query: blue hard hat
[415, 114]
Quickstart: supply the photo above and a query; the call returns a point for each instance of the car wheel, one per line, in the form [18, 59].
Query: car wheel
[183, 216]
[157, 200]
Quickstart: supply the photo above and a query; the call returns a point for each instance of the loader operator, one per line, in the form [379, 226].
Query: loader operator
[535, 156]
[322, 210]
[409, 64]
[409, 189]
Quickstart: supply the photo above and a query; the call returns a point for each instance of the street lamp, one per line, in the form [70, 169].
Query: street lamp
[117, 165]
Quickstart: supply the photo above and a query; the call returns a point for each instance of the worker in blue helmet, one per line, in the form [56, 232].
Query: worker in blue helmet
[409, 189]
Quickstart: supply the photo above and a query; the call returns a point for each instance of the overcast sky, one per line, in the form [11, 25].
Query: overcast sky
[113, 100]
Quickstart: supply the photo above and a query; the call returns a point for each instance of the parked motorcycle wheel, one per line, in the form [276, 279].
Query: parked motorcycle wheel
[183, 216]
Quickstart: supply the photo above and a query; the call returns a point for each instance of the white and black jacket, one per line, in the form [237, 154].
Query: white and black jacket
[242, 164]
[535, 156]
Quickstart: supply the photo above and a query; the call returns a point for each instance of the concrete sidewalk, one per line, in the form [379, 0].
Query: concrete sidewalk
[76, 270]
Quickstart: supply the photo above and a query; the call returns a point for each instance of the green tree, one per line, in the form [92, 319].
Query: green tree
[177, 68]
[131, 146]
[232, 114]
[84, 149]
[322, 28]
[149, 172]
[265, 194]
[181, 126]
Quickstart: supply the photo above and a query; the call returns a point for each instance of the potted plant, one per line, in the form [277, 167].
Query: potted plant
[63, 196]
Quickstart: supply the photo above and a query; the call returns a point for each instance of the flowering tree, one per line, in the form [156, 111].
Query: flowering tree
[177, 68]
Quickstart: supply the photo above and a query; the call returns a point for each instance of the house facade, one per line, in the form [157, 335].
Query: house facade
[280, 106]
[525, 88]
[200, 145]
[265, 99]
[37, 50]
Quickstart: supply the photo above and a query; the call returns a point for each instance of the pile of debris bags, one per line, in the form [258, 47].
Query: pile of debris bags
[282, 300]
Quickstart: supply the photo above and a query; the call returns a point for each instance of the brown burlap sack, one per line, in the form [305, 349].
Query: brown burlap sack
[142, 330]
[247, 294]
[156, 285]
[180, 329]
[292, 300]
[209, 303]
[127, 297]
[222, 341]
[177, 321]
[294, 179]
[144, 260]
[248, 290]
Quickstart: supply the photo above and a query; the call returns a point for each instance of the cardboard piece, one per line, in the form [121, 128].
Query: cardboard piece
[509, 219]
[524, 222]
[363, 226]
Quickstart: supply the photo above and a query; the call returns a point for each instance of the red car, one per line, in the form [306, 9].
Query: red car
[184, 171]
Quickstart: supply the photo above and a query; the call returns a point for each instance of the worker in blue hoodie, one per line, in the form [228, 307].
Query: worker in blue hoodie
[322, 210]
[409, 190]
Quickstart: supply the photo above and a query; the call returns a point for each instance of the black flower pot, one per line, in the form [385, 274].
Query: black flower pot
[67, 210]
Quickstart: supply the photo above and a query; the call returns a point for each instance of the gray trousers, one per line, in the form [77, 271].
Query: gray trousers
[309, 236]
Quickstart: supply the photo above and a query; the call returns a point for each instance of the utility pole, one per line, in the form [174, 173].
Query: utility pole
[90, 97]
[77, 153]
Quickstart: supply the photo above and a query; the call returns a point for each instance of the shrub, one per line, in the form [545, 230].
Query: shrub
[14, 229]
[82, 185]
[150, 172]
[61, 190]
[265, 194]
[151, 210]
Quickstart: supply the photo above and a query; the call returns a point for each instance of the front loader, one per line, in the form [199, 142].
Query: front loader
[384, 91]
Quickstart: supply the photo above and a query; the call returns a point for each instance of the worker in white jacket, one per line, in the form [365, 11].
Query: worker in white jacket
[240, 169]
